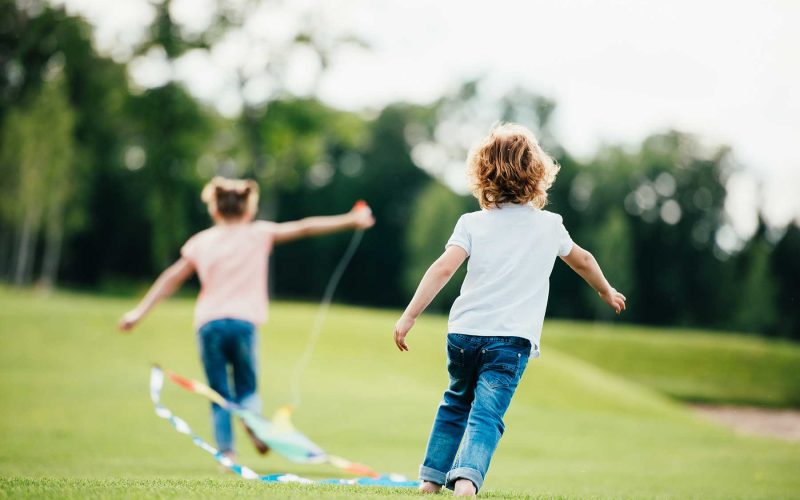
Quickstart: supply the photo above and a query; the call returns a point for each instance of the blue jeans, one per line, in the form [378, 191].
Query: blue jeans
[223, 343]
[484, 373]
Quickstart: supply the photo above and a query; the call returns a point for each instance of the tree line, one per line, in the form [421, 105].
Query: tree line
[101, 187]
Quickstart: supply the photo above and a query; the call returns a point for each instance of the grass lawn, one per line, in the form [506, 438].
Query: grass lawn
[76, 421]
[689, 365]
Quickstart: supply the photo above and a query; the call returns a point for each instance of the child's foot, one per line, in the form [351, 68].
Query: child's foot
[464, 488]
[429, 487]
[261, 447]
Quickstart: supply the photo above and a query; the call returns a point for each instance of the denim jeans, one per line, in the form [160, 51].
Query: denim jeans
[484, 373]
[224, 343]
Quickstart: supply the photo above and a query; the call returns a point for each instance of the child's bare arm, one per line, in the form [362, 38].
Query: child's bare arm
[166, 284]
[435, 278]
[358, 218]
[584, 263]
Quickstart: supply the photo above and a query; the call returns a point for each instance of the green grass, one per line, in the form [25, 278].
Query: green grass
[76, 421]
[689, 365]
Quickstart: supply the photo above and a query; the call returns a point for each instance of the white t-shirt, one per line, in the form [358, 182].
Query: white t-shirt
[511, 251]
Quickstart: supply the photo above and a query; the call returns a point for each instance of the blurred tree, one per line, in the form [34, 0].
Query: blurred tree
[756, 292]
[32, 36]
[588, 197]
[23, 166]
[785, 270]
[434, 215]
[171, 131]
[302, 138]
[567, 291]
[263, 75]
[612, 245]
[391, 181]
[652, 213]
[535, 111]
[380, 171]
[151, 162]
[677, 200]
[660, 250]
[41, 171]
[312, 141]
[60, 172]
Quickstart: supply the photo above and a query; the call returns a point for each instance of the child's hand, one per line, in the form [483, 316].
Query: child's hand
[129, 320]
[614, 299]
[362, 216]
[401, 329]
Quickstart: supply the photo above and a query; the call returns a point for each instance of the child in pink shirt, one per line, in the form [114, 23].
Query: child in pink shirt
[230, 258]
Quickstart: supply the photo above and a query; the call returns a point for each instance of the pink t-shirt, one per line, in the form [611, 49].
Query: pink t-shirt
[231, 261]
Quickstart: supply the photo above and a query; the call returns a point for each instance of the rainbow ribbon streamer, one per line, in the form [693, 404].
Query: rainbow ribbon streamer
[279, 434]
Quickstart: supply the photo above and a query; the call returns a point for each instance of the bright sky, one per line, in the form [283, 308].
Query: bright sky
[618, 69]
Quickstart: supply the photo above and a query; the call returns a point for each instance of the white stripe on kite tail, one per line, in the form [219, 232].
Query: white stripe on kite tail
[181, 426]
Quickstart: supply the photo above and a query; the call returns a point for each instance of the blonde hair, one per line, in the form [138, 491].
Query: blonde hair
[230, 198]
[509, 166]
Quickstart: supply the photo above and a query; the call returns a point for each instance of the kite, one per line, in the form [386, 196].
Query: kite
[279, 434]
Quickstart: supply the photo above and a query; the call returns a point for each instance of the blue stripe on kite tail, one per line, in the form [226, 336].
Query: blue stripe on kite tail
[391, 480]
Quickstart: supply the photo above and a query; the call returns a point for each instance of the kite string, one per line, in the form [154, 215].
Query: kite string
[327, 298]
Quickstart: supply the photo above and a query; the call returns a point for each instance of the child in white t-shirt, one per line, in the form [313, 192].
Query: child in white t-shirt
[496, 322]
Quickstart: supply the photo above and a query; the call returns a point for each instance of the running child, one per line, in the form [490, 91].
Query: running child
[230, 259]
[495, 323]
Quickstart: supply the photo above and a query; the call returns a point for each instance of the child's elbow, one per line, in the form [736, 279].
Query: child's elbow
[587, 262]
[442, 271]
[172, 277]
[583, 262]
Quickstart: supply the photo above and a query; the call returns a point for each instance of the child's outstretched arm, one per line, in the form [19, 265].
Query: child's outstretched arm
[435, 278]
[360, 217]
[584, 263]
[166, 284]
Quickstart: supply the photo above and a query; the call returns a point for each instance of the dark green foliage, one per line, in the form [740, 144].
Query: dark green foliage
[140, 159]
[436, 211]
[389, 181]
[785, 270]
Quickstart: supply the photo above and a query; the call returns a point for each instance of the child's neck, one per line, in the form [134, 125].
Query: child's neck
[230, 222]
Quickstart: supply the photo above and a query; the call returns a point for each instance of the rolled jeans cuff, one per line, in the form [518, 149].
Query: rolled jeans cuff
[431, 475]
[463, 473]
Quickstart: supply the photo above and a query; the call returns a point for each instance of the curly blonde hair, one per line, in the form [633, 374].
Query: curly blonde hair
[230, 198]
[509, 166]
